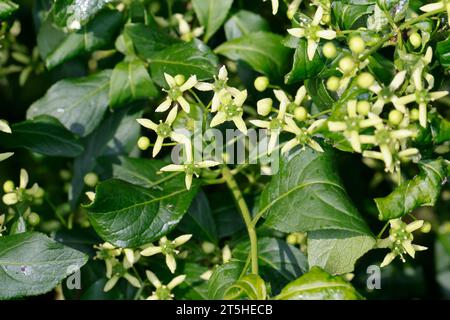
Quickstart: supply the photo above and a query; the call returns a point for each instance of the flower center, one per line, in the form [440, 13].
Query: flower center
[219, 84]
[163, 130]
[311, 32]
[291, 107]
[386, 94]
[191, 169]
[232, 110]
[174, 93]
[422, 96]
[383, 137]
[276, 124]
[163, 293]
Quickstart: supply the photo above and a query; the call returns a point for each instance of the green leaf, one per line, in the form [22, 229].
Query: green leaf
[222, 278]
[44, 135]
[263, 51]
[68, 12]
[441, 129]
[337, 250]
[279, 261]
[244, 22]
[302, 67]
[383, 69]
[211, 14]
[193, 287]
[148, 41]
[442, 263]
[250, 285]
[443, 53]
[350, 16]
[319, 94]
[32, 264]
[130, 81]
[141, 172]
[186, 59]
[306, 195]
[127, 215]
[422, 190]
[79, 104]
[319, 285]
[97, 34]
[199, 220]
[7, 8]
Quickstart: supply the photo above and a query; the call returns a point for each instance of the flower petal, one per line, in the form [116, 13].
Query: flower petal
[170, 80]
[164, 106]
[260, 123]
[150, 251]
[311, 49]
[387, 259]
[176, 281]
[181, 240]
[317, 16]
[326, 34]
[172, 168]
[153, 279]
[300, 95]
[204, 86]
[190, 83]
[297, 32]
[240, 124]
[158, 145]
[223, 73]
[147, 123]
[398, 80]
[184, 104]
[240, 98]
[171, 262]
[219, 118]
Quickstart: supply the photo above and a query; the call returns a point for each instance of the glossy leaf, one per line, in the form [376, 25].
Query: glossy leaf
[348, 16]
[127, 215]
[319, 285]
[70, 13]
[250, 285]
[186, 59]
[263, 51]
[244, 22]
[383, 69]
[302, 67]
[32, 264]
[130, 81]
[443, 53]
[319, 94]
[79, 104]
[211, 14]
[422, 190]
[223, 277]
[97, 34]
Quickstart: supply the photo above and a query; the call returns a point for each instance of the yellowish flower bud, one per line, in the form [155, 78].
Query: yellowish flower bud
[292, 239]
[264, 106]
[91, 179]
[414, 114]
[226, 254]
[300, 114]
[415, 39]
[426, 227]
[329, 50]
[33, 219]
[208, 247]
[65, 174]
[8, 186]
[333, 83]
[179, 79]
[363, 107]
[395, 117]
[346, 64]
[261, 83]
[143, 143]
[357, 44]
[365, 80]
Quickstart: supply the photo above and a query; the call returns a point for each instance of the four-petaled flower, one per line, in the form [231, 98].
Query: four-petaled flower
[163, 292]
[163, 129]
[175, 92]
[387, 94]
[168, 248]
[219, 84]
[230, 109]
[22, 193]
[313, 33]
[400, 240]
[302, 136]
[186, 33]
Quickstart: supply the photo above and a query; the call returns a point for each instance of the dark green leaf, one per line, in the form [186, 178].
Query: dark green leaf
[319, 285]
[97, 34]
[79, 104]
[223, 277]
[443, 53]
[7, 8]
[32, 264]
[347, 16]
[193, 287]
[422, 190]
[243, 23]
[130, 81]
[319, 94]
[70, 13]
[186, 59]
[383, 69]
[127, 215]
[211, 14]
[44, 135]
[141, 172]
[263, 51]
[302, 67]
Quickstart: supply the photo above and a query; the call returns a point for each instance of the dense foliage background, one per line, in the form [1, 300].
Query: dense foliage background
[74, 81]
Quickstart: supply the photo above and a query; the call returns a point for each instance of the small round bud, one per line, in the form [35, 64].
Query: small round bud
[346, 64]
[333, 83]
[65, 174]
[357, 44]
[264, 106]
[180, 79]
[33, 219]
[39, 193]
[8, 186]
[329, 50]
[300, 114]
[292, 239]
[426, 227]
[208, 247]
[143, 143]
[395, 117]
[363, 107]
[261, 83]
[365, 80]
[326, 18]
[91, 179]
[415, 39]
[414, 114]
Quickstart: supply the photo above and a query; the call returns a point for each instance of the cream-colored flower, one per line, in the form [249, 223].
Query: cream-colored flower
[118, 271]
[313, 33]
[231, 109]
[163, 129]
[387, 94]
[175, 92]
[219, 84]
[186, 33]
[21, 193]
[168, 248]
[444, 4]
[163, 292]
[302, 136]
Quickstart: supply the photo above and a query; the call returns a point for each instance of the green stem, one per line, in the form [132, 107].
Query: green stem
[242, 205]
[382, 230]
